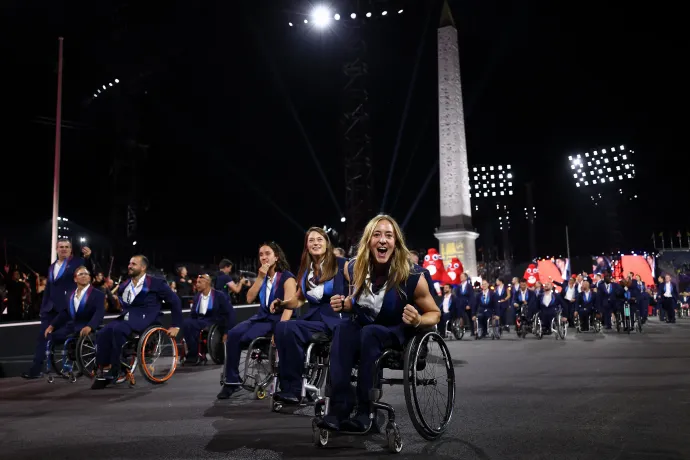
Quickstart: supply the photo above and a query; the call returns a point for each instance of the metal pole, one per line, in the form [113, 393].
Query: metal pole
[567, 243]
[56, 176]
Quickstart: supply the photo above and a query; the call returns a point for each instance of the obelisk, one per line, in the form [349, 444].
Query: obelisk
[456, 234]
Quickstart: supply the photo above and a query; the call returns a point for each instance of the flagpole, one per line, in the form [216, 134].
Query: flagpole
[663, 243]
[56, 174]
[654, 240]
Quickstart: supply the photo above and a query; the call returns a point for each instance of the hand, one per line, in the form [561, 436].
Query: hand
[273, 340]
[496, 318]
[263, 270]
[86, 251]
[85, 331]
[48, 331]
[474, 318]
[338, 303]
[276, 305]
[411, 316]
[225, 338]
[173, 331]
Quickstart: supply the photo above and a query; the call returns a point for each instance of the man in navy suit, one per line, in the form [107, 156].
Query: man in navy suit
[548, 303]
[210, 306]
[55, 297]
[668, 296]
[448, 309]
[464, 296]
[586, 305]
[84, 312]
[140, 298]
[484, 309]
[609, 297]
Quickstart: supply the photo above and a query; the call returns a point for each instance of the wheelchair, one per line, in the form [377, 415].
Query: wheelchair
[561, 327]
[494, 331]
[258, 366]
[153, 351]
[73, 358]
[418, 356]
[210, 344]
[454, 329]
[683, 310]
[594, 323]
[316, 360]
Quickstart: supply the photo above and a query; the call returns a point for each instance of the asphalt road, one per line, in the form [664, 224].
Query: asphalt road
[607, 396]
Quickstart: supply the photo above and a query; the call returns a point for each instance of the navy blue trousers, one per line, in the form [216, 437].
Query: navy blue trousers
[291, 340]
[109, 342]
[351, 340]
[547, 315]
[192, 328]
[239, 337]
[40, 350]
[584, 314]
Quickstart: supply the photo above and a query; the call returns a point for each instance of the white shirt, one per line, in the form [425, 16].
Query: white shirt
[134, 289]
[77, 297]
[370, 301]
[499, 290]
[56, 268]
[315, 290]
[546, 300]
[586, 295]
[570, 293]
[269, 285]
[523, 296]
[446, 304]
[203, 303]
[667, 291]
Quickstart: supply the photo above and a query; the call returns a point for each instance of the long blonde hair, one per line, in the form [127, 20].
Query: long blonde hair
[400, 264]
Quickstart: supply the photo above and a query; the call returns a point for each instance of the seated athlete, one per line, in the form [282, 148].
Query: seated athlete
[321, 277]
[209, 306]
[274, 281]
[85, 310]
[140, 298]
[387, 288]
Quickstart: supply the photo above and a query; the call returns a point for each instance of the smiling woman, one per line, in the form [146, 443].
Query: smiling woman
[320, 277]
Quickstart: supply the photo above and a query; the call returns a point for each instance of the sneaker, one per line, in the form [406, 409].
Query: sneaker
[227, 391]
[103, 379]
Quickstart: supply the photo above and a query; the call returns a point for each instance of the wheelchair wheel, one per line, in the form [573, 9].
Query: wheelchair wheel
[257, 364]
[561, 327]
[86, 355]
[56, 351]
[618, 323]
[215, 345]
[638, 323]
[158, 354]
[457, 329]
[425, 392]
[538, 328]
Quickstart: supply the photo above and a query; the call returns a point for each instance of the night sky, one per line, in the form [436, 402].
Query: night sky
[220, 104]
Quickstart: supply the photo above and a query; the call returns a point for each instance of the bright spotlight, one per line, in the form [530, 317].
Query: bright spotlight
[117, 81]
[290, 24]
[368, 15]
[383, 13]
[336, 17]
[306, 21]
[134, 243]
[82, 240]
[353, 16]
[321, 16]
[400, 12]
[110, 84]
[104, 87]
[342, 219]
[95, 95]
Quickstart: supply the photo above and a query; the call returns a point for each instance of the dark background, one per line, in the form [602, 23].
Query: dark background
[209, 131]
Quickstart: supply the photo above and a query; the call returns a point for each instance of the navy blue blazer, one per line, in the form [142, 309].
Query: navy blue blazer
[320, 310]
[146, 306]
[452, 305]
[465, 298]
[394, 302]
[530, 298]
[55, 296]
[556, 301]
[90, 312]
[277, 292]
[488, 303]
[609, 299]
[590, 304]
[219, 310]
[661, 290]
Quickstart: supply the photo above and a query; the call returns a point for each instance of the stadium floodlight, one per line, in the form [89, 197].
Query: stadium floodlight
[491, 181]
[601, 166]
[321, 16]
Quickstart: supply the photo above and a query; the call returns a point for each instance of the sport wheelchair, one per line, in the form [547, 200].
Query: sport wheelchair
[144, 350]
[210, 344]
[629, 319]
[258, 366]
[454, 329]
[415, 359]
[524, 326]
[494, 331]
[74, 357]
[316, 360]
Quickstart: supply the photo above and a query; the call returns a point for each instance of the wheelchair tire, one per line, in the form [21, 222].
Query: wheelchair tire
[260, 345]
[86, 355]
[56, 358]
[416, 349]
[457, 329]
[638, 324]
[214, 344]
[145, 341]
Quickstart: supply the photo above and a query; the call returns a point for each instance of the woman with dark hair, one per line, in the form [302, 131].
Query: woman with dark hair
[274, 281]
[320, 277]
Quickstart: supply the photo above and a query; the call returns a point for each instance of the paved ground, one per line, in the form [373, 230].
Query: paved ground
[591, 397]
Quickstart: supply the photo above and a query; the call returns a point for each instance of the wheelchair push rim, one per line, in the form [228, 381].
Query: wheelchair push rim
[423, 355]
[258, 367]
[215, 344]
[86, 355]
[158, 355]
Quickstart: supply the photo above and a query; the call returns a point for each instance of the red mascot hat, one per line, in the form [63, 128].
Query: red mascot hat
[531, 275]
